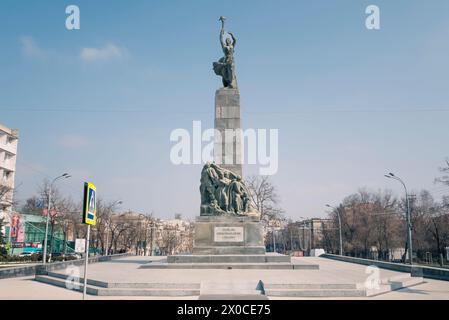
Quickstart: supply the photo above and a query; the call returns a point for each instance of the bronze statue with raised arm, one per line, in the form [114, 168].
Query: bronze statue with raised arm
[225, 67]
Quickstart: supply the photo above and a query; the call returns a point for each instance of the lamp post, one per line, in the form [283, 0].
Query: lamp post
[118, 202]
[409, 224]
[339, 227]
[153, 232]
[304, 231]
[65, 176]
[140, 247]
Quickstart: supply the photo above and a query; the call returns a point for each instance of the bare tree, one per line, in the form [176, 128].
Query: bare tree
[264, 198]
[369, 219]
[376, 220]
[5, 192]
[8, 195]
[169, 240]
[33, 205]
[430, 226]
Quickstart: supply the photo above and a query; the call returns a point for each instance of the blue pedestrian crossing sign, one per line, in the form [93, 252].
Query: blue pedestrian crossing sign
[90, 204]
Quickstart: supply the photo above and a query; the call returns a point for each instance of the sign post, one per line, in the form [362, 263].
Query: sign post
[89, 218]
[80, 245]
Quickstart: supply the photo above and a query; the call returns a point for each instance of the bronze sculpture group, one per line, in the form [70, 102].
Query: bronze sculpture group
[224, 193]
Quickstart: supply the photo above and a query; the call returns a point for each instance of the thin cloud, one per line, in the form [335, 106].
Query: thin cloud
[108, 52]
[30, 48]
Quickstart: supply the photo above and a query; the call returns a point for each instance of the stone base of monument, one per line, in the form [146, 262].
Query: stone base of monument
[230, 242]
[228, 235]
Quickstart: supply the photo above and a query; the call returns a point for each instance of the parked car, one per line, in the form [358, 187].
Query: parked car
[25, 254]
[57, 254]
[74, 255]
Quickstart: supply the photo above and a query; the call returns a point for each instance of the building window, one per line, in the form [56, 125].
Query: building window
[6, 175]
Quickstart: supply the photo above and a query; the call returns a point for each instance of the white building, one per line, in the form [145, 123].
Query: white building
[8, 152]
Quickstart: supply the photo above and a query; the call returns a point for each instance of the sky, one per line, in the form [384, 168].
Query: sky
[350, 104]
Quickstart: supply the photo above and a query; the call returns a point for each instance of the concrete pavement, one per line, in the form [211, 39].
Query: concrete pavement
[126, 270]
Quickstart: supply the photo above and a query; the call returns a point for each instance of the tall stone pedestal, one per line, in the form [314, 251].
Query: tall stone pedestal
[216, 235]
[223, 242]
[228, 154]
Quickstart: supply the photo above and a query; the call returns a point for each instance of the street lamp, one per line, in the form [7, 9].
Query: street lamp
[118, 202]
[304, 231]
[409, 224]
[139, 245]
[65, 176]
[339, 227]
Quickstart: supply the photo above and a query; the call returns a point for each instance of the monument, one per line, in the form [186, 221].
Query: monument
[228, 223]
[228, 229]
[227, 146]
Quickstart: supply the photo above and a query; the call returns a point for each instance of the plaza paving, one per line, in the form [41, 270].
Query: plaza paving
[126, 270]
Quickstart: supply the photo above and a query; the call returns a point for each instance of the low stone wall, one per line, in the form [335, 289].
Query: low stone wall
[25, 271]
[17, 272]
[415, 270]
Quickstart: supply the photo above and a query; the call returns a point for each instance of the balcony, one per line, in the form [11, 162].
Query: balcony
[8, 143]
[8, 165]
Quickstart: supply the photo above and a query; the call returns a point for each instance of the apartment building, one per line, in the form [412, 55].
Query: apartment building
[8, 151]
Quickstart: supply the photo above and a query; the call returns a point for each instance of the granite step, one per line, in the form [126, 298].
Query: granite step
[136, 285]
[272, 265]
[227, 258]
[315, 293]
[310, 286]
[231, 288]
[156, 289]
[315, 290]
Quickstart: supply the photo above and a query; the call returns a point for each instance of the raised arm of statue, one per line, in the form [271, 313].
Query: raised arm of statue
[234, 40]
[222, 42]
[222, 38]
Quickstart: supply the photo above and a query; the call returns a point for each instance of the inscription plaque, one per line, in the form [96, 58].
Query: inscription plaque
[228, 234]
